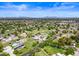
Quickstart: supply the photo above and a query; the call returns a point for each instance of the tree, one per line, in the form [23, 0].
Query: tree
[69, 51]
[1, 47]
[68, 41]
[61, 41]
[35, 43]
[64, 41]
[73, 37]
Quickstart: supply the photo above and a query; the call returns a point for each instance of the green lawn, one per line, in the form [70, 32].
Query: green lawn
[51, 50]
[29, 44]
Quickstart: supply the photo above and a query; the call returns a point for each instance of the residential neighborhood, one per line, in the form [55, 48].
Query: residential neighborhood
[39, 37]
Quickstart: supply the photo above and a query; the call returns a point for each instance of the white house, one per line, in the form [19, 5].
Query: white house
[18, 44]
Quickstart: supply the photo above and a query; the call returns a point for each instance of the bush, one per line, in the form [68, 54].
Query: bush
[17, 52]
[5, 54]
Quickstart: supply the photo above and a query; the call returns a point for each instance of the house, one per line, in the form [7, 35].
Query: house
[9, 50]
[11, 37]
[18, 44]
[23, 35]
[40, 37]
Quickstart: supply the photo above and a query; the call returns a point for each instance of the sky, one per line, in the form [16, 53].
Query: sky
[39, 9]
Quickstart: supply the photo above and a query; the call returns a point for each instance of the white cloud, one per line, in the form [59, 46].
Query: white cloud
[62, 8]
[59, 11]
[70, 3]
[38, 8]
[65, 7]
[21, 7]
[39, 13]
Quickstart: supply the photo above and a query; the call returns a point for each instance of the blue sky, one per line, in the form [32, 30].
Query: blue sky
[39, 9]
